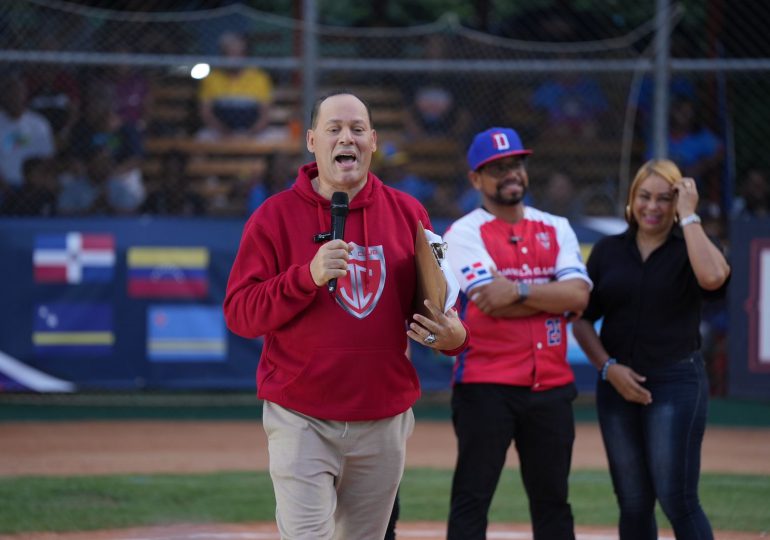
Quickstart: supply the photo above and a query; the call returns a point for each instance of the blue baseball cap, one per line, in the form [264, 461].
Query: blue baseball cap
[494, 143]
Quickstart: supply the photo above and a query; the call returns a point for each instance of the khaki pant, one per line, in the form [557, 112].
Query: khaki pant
[334, 480]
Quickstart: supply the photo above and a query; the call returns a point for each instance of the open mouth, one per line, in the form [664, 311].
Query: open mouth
[345, 159]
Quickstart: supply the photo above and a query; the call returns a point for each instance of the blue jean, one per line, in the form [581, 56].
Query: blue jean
[654, 450]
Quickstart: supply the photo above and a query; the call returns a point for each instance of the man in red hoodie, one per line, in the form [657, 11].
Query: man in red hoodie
[336, 383]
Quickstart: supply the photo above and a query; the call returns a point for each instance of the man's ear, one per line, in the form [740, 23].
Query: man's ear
[475, 179]
[310, 141]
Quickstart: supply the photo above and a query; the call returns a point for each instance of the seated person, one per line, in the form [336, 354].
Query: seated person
[37, 195]
[393, 168]
[174, 196]
[56, 95]
[77, 193]
[573, 105]
[24, 133]
[104, 143]
[753, 200]
[434, 112]
[561, 197]
[235, 101]
[696, 149]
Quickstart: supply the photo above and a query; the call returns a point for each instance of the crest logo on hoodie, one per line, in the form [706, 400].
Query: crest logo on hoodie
[360, 290]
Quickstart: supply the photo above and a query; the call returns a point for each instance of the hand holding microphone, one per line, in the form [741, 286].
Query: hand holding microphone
[339, 211]
[331, 259]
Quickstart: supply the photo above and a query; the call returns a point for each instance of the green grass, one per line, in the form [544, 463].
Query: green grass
[733, 502]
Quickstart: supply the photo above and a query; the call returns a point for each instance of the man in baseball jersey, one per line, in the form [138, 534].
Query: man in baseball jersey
[521, 276]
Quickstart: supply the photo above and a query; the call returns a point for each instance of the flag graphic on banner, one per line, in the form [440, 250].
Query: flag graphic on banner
[73, 257]
[177, 333]
[68, 329]
[168, 272]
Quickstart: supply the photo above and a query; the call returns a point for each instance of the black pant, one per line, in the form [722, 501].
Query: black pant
[486, 418]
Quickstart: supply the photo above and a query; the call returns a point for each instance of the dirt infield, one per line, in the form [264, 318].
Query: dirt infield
[106, 447]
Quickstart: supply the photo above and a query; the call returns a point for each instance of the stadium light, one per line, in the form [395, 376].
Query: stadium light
[200, 71]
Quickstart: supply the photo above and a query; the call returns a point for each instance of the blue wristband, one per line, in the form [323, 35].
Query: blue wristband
[606, 366]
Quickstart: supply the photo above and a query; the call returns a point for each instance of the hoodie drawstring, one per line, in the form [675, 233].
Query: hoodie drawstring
[366, 251]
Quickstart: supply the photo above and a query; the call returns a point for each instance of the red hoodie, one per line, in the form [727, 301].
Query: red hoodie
[336, 357]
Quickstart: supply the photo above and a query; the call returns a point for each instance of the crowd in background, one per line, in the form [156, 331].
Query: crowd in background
[73, 139]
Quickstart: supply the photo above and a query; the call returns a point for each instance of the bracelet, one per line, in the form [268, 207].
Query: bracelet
[606, 367]
[692, 218]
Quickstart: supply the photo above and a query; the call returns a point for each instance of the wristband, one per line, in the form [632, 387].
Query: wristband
[692, 218]
[606, 367]
[523, 291]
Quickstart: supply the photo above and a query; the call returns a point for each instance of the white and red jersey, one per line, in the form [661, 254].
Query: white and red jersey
[540, 248]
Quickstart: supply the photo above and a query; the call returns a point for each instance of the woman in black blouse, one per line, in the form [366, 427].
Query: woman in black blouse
[652, 392]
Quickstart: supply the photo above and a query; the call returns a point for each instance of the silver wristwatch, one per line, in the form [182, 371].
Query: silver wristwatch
[692, 218]
[523, 289]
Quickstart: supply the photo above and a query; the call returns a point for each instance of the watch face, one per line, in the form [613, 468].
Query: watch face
[523, 291]
[694, 218]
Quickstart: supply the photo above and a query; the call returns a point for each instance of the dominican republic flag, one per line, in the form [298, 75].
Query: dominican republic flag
[474, 271]
[72, 329]
[186, 333]
[73, 257]
[168, 272]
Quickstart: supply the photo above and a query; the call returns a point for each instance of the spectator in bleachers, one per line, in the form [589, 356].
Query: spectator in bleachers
[78, 194]
[680, 87]
[573, 105]
[23, 133]
[434, 111]
[54, 92]
[433, 108]
[130, 88]
[283, 167]
[753, 200]
[696, 149]
[56, 95]
[175, 195]
[393, 167]
[560, 196]
[37, 194]
[236, 101]
[111, 150]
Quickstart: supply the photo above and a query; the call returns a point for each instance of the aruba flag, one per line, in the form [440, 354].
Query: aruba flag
[73, 257]
[69, 329]
[168, 272]
[186, 333]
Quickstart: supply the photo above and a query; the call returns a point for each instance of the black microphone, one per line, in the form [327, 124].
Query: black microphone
[339, 211]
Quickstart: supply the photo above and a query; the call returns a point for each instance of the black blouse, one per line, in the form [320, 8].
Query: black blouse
[652, 308]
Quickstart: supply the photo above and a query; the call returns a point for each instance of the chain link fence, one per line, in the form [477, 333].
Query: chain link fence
[204, 112]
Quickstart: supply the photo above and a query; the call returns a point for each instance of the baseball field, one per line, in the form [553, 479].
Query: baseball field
[96, 470]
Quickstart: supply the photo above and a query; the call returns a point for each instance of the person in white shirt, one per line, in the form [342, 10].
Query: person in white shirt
[23, 133]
